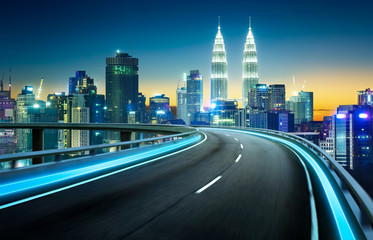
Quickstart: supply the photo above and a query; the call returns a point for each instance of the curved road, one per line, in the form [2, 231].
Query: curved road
[232, 186]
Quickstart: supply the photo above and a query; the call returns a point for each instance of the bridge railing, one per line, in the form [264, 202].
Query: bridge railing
[357, 192]
[361, 198]
[181, 132]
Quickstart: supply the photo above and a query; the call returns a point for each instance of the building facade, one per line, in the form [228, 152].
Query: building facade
[182, 112]
[194, 90]
[353, 131]
[277, 96]
[250, 76]
[122, 87]
[365, 97]
[219, 69]
[159, 109]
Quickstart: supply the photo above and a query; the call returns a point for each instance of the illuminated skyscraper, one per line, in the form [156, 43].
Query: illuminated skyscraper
[250, 75]
[219, 70]
[194, 93]
[182, 113]
[122, 87]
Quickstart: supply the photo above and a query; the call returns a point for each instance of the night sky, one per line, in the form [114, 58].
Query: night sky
[327, 45]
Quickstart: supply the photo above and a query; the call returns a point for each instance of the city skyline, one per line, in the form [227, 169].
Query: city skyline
[313, 49]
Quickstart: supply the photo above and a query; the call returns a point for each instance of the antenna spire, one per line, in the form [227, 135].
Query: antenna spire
[249, 22]
[218, 22]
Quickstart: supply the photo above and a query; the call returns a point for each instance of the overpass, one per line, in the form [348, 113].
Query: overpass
[192, 183]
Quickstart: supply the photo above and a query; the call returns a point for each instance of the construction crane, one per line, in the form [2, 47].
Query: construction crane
[39, 90]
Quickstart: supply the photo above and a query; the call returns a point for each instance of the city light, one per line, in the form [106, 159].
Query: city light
[341, 115]
[36, 105]
[160, 112]
[363, 115]
[213, 105]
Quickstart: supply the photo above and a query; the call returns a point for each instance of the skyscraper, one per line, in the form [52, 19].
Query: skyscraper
[250, 75]
[28, 111]
[141, 108]
[182, 113]
[353, 129]
[74, 82]
[307, 97]
[259, 97]
[277, 96]
[7, 103]
[219, 69]
[122, 86]
[58, 101]
[194, 93]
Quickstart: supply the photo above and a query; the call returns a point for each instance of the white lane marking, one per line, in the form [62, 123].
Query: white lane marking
[340, 218]
[227, 135]
[241, 146]
[236, 139]
[239, 157]
[314, 224]
[208, 185]
[98, 177]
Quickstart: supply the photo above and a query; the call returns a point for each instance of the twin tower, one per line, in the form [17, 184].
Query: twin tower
[219, 70]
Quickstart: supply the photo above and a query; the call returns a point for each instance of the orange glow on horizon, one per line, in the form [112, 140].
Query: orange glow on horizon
[331, 89]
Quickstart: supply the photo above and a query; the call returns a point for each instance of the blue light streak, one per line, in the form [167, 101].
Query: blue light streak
[36, 182]
[341, 221]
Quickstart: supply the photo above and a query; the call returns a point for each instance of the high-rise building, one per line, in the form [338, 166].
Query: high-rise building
[353, 128]
[141, 108]
[58, 101]
[295, 105]
[219, 69]
[159, 109]
[226, 113]
[194, 93]
[307, 98]
[277, 96]
[327, 140]
[75, 82]
[259, 97]
[7, 103]
[28, 111]
[250, 75]
[122, 87]
[79, 138]
[182, 113]
[279, 120]
[365, 97]
[302, 106]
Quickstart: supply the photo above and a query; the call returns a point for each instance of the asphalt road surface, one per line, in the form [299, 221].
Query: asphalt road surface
[232, 186]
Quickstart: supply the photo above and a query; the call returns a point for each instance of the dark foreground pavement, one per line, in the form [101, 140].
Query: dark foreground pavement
[263, 195]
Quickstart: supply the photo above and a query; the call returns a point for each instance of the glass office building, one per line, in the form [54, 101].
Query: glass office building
[122, 87]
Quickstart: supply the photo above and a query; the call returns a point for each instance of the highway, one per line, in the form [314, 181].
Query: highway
[231, 186]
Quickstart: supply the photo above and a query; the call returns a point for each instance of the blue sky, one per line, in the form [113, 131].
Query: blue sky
[317, 41]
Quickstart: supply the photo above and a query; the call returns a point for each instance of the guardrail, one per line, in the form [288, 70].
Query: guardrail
[185, 132]
[360, 196]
